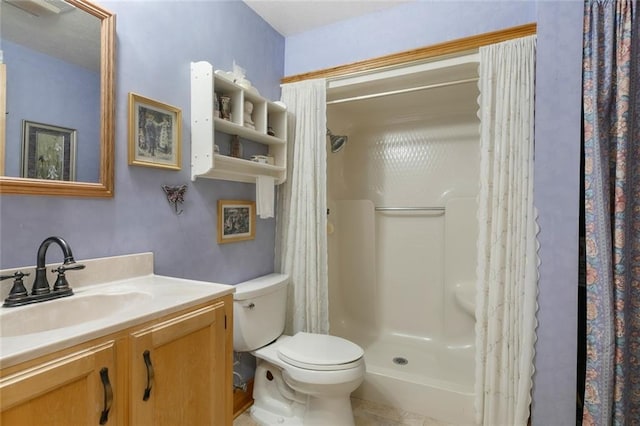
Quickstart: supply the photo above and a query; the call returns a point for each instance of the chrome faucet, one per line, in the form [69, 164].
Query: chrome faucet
[41, 290]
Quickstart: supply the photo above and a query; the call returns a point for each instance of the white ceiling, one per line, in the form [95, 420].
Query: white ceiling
[290, 17]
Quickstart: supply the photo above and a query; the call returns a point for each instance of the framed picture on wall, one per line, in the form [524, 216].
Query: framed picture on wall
[48, 152]
[236, 221]
[155, 133]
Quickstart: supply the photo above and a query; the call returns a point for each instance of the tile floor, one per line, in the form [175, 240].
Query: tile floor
[367, 413]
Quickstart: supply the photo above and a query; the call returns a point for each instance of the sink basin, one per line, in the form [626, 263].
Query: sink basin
[96, 310]
[66, 312]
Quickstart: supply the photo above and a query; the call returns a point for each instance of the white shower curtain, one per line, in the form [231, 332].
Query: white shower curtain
[507, 246]
[301, 223]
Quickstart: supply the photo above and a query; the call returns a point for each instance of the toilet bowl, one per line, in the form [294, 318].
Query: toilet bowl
[304, 379]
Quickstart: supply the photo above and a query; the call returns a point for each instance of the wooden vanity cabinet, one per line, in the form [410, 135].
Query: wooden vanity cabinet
[179, 370]
[76, 388]
[190, 358]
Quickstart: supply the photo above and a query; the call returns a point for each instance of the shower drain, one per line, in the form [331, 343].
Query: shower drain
[400, 360]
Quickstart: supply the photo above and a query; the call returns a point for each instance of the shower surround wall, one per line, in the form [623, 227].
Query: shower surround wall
[393, 275]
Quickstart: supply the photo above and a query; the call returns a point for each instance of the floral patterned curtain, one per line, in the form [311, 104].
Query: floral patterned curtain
[611, 101]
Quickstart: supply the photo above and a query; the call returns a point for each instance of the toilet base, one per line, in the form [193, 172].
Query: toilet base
[328, 411]
[276, 403]
[318, 412]
[267, 418]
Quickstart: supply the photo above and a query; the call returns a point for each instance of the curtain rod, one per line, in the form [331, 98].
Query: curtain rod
[400, 91]
[409, 209]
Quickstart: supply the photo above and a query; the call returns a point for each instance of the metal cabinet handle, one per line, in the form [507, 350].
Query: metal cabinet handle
[150, 375]
[108, 395]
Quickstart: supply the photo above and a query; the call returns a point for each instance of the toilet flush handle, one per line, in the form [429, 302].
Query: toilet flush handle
[249, 305]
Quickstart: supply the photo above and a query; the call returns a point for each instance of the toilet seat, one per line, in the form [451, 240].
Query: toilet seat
[320, 352]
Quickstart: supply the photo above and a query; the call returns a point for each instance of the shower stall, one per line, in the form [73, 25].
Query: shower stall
[402, 232]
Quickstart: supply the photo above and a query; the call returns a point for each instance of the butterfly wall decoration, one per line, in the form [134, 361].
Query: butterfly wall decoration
[175, 195]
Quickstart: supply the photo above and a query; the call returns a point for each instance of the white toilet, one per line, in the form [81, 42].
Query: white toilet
[305, 379]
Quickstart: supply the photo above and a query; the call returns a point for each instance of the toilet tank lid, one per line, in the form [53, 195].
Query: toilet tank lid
[260, 286]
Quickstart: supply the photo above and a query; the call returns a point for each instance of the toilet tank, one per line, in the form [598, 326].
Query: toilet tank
[259, 308]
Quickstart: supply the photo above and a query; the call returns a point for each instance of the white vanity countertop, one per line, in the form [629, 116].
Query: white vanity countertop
[95, 311]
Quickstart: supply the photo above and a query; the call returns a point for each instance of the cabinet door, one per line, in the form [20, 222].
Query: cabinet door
[178, 370]
[75, 389]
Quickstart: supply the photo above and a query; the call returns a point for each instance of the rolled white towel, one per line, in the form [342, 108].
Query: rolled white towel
[265, 191]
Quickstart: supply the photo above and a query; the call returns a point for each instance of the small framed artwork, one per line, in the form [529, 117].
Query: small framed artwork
[48, 152]
[236, 221]
[155, 133]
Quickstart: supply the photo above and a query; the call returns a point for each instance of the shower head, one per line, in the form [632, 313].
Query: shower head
[337, 142]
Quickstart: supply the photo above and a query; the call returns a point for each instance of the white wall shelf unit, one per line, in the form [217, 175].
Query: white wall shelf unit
[205, 163]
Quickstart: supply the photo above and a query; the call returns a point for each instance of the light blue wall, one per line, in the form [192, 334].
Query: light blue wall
[405, 27]
[557, 197]
[47, 90]
[558, 106]
[156, 40]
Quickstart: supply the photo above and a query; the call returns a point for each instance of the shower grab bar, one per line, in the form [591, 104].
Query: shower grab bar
[409, 209]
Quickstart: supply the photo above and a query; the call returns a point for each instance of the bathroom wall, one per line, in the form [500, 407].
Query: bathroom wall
[557, 127]
[408, 26]
[156, 40]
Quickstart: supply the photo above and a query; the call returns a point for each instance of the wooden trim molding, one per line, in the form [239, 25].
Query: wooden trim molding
[3, 113]
[242, 400]
[436, 50]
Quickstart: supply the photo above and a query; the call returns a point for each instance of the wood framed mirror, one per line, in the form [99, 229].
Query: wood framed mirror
[102, 184]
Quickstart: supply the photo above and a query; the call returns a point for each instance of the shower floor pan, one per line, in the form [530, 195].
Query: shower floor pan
[435, 381]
